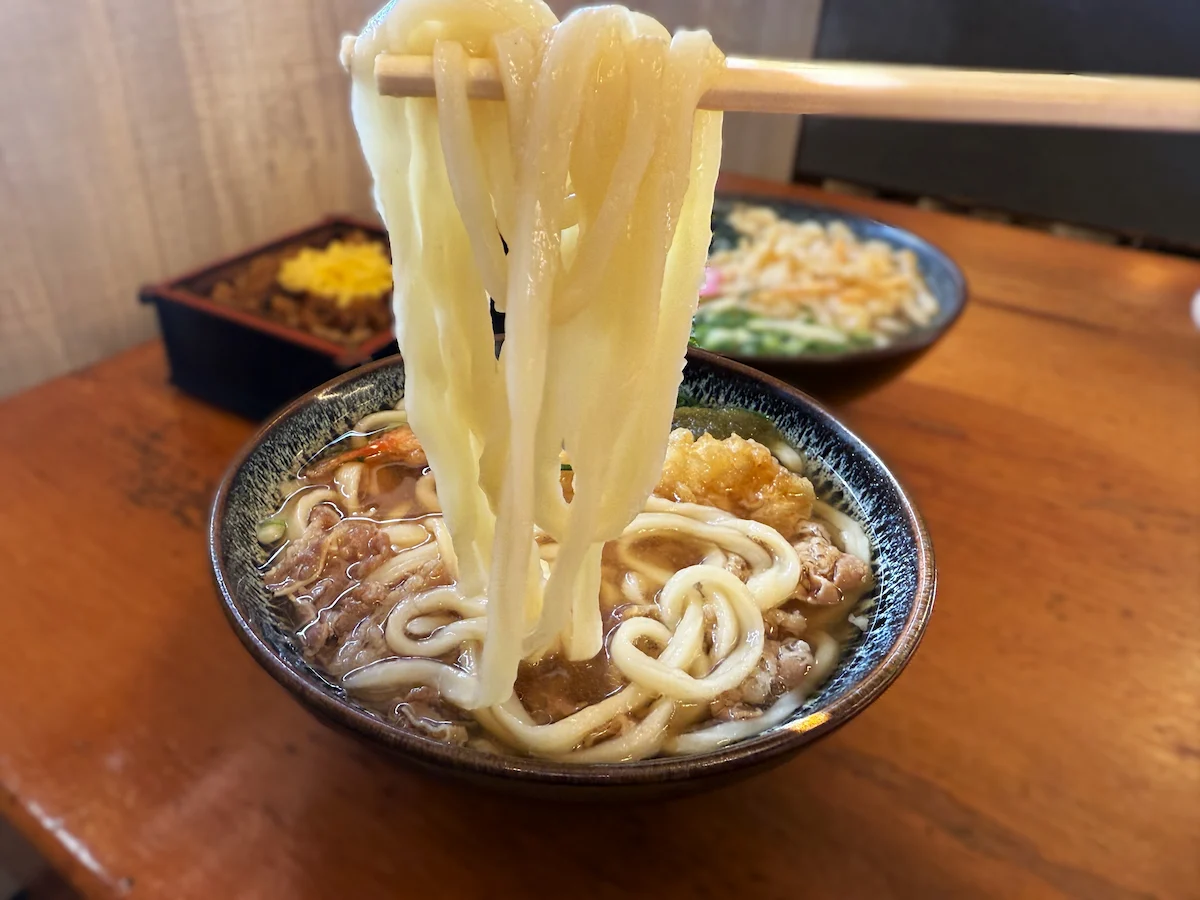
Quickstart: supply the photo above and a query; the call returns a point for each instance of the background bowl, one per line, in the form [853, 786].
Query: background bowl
[843, 470]
[837, 376]
[243, 361]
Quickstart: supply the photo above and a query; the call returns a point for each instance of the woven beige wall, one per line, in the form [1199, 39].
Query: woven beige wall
[140, 138]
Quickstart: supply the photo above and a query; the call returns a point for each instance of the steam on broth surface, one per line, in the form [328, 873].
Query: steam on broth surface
[526, 556]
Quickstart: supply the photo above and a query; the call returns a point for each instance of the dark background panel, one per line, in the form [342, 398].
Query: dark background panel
[1140, 183]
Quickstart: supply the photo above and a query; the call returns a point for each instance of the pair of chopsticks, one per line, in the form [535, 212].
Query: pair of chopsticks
[890, 92]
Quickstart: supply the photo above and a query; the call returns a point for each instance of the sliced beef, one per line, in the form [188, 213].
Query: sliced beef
[782, 667]
[330, 608]
[784, 621]
[349, 629]
[826, 573]
[298, 561]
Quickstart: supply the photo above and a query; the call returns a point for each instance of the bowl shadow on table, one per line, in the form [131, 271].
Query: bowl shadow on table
[739, 838]
[320, 801]
[304, 799]
[837, 382]
[316, 803]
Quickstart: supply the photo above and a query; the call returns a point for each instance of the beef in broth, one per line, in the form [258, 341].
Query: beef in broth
[338, 576]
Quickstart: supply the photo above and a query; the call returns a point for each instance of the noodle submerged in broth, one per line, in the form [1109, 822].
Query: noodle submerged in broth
[364, 561]
[526, 556]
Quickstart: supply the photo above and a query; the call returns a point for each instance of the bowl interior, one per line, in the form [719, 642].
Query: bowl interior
[943, 278]
[844, 472]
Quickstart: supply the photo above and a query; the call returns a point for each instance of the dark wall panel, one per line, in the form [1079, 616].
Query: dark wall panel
[1138, 182]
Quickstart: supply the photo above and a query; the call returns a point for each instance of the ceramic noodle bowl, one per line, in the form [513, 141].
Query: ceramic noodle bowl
[844, 473]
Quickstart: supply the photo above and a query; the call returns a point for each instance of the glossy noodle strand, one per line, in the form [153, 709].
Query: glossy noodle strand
[581, 206]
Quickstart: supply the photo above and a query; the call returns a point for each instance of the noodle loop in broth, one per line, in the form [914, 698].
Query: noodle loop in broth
[497, 574]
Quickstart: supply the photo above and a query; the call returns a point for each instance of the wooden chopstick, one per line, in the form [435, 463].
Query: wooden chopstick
[868, 90]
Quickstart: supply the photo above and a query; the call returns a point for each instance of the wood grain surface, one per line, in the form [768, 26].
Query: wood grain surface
[1044, 742]
[143, 138]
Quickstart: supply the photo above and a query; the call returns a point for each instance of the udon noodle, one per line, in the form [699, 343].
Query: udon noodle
[581, 205]
[724, 603]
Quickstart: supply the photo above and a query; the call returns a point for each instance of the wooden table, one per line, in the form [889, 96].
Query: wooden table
[1045, 742]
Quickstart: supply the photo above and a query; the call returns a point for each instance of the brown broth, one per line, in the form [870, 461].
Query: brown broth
[551, 688]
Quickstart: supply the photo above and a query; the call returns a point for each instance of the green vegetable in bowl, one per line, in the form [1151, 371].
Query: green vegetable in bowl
[270, 531]
[724, 318]
[727, 329]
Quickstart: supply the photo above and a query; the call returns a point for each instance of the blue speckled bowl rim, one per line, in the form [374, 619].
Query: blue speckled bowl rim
[751, 753]
[929, 255]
